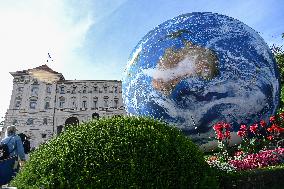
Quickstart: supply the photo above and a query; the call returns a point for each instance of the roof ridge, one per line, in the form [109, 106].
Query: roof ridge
[44, 67]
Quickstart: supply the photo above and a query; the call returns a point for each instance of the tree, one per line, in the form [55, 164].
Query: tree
[279, 57]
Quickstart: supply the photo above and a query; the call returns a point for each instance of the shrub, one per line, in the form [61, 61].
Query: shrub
[120, 152]
[268, 177]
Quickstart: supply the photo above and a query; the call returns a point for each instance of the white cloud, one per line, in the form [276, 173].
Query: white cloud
[30, 30]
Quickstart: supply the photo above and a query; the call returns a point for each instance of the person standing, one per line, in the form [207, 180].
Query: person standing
[10, 166]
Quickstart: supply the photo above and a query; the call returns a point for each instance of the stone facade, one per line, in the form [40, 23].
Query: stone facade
[43, 103]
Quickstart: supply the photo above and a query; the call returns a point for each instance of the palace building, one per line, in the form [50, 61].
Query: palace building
[43, 103]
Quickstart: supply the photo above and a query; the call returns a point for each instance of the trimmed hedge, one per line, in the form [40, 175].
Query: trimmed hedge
[265, 178]
[119, 152]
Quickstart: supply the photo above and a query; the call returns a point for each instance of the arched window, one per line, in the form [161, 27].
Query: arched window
[73, 102]
[95, 116]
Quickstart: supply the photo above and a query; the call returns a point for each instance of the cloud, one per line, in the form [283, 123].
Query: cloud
[32, 29]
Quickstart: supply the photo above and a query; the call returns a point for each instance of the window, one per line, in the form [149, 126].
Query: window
[44, 121]
[43, 135]
[30, 121]
[61, 89]
[115, 89]
[34, 90]
[106, 103]
[35, 82]
[18, 102]
[95, 103]
[47, 105]
[95, 89]
[20, 89]
[33, 104]
[115, 103]
[84, 89]
[105, 89]
[61, 102]
[14, 122]
[84, 104]
[73, 90]
[73, 100]
[48, 89]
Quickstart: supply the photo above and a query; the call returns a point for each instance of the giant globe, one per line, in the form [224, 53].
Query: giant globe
[198, 69]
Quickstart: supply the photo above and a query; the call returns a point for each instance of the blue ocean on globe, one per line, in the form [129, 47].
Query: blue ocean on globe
[201, 68]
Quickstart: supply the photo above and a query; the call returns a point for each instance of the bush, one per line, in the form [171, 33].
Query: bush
[268, 177]
[120, 152]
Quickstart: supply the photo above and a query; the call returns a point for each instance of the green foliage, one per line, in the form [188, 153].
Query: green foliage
[279, 57]
[120, 152]
[268, 177]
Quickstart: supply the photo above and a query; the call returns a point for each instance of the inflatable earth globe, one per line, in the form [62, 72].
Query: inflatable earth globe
[198, 69]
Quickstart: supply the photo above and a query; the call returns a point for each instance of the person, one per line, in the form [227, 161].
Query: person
[9, 167]
[26, 142]
[14, 143]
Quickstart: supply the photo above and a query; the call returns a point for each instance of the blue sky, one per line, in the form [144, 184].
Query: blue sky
[93, 39]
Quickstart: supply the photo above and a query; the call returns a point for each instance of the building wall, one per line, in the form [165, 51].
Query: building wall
[81, 99]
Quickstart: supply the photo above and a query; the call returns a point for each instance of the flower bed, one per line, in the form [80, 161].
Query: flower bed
[262, 159]
[248, 165]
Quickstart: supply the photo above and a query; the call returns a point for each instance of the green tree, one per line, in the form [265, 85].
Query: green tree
[279, 57]
[118, 152]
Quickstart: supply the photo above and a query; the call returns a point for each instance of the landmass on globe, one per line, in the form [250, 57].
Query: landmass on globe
[178, 64]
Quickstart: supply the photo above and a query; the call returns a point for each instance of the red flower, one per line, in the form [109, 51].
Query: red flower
[270, 137]
[272, 119]
[262, 123]
[243, 127]
[253, 128]
[275, 128]
[220, 136]
[270, 129]
[241, 133]
[227, 126]
[227, 134]
[218, 127]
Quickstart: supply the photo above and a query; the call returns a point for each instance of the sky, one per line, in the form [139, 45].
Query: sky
[92, 39]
